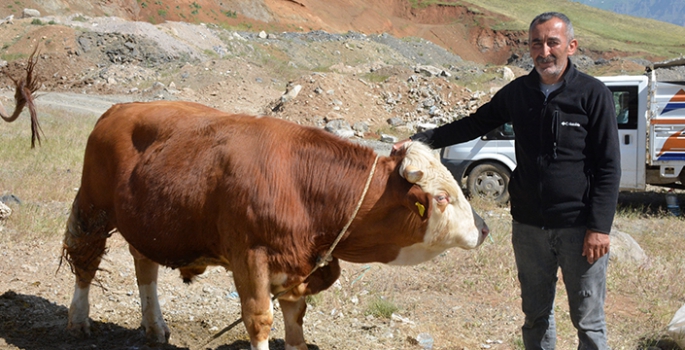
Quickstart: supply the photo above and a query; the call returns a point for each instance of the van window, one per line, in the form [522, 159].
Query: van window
[625, 101]
[504, 132]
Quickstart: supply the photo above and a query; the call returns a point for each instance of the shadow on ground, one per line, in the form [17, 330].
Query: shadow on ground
[35, 323]
[647, 202]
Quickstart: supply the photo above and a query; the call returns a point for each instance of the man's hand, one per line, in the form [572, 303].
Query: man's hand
[595, 245]
[396, 147]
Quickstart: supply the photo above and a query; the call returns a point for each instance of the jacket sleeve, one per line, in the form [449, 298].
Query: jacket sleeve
[606, 162]
[488, 117]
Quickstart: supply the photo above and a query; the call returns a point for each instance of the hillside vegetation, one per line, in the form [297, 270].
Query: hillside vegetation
[599, 30]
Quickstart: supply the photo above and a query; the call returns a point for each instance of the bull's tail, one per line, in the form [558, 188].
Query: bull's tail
[23, 97]
[84, 242]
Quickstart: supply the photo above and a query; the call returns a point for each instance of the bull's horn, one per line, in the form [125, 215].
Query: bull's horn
[413, 174]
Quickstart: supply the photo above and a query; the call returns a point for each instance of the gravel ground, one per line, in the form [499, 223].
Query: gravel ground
[231, 71]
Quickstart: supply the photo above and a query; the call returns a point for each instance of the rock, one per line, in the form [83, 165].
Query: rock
[388, 138]
[676, 328]
[508, 74]
[428, 71]
[30, 13]
[624, 249]
[9, 19]
[395, 121]
[340, 127]
[291, 93]
[9, 198]
[5, 212]
[360, 127]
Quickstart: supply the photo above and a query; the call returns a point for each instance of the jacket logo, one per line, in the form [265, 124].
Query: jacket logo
[574, 124]
[676, 102]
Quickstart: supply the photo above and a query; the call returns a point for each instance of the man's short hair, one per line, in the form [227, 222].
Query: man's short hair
[544, 17]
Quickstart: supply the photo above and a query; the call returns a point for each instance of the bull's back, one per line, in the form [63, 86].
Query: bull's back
[171, 175]
[155, 169]
[118, 139]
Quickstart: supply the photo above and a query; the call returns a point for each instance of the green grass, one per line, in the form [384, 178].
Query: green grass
[9, 57]
[44, 178]
[381, 308]
[375, 77]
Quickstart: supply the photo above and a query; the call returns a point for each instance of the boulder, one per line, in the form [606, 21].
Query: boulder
[5, 212]
[30, 13]
[624, 249]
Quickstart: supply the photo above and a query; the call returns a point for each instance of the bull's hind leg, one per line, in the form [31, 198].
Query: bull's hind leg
[156, 329]
[83, 247]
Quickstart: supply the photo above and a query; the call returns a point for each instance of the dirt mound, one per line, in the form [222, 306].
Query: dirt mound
[448, 25]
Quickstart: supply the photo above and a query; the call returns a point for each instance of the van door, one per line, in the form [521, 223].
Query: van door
[630, 98]
[626, 102]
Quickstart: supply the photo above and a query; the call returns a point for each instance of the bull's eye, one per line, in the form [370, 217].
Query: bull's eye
[442, 199]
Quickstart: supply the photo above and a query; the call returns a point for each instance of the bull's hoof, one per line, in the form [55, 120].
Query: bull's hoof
[302, 346]
[79, 329]
[157, 334]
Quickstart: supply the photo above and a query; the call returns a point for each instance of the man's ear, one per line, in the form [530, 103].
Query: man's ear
[420, 202]
[572, 47]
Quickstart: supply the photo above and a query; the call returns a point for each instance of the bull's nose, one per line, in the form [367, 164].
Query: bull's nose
[485, 231]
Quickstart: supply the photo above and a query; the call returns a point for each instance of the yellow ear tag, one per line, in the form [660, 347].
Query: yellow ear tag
[422, 209]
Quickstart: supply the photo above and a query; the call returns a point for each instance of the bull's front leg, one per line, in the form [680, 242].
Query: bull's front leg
[156, 330]
[294, 305]
[251, 276]
[293, 314]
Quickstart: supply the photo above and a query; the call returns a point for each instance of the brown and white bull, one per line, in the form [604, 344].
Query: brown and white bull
[189, 186]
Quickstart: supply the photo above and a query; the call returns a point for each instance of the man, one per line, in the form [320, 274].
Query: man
[565, 186]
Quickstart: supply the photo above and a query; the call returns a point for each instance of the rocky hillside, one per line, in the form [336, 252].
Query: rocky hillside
[359, 83]
[461, 29]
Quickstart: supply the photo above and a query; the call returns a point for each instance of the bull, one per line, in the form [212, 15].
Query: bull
[276, 203]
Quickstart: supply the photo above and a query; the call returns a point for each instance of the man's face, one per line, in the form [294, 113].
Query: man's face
[550, 48]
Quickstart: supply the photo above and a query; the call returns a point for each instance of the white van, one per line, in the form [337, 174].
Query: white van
[483, 166]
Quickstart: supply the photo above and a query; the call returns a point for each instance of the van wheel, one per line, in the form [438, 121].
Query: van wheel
[489, 181]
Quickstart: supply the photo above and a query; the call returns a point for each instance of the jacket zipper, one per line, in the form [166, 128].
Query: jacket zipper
[555, 133]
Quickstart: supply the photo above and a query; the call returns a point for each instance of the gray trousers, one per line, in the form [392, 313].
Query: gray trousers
[539, 253]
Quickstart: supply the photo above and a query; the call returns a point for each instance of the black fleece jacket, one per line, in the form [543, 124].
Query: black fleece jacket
[567, 149]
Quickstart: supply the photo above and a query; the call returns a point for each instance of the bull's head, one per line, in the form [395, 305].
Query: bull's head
[451, 220]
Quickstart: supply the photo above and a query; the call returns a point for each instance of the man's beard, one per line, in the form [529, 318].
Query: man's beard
[553, 70]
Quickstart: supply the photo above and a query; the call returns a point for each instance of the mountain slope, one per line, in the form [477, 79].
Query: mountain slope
[672, 11]
[482, 31]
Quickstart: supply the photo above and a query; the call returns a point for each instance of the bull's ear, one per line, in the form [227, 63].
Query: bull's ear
[420, 202]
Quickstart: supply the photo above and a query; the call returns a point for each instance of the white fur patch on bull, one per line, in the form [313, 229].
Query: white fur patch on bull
[452, 222]
[78, 310]
[153, 321]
